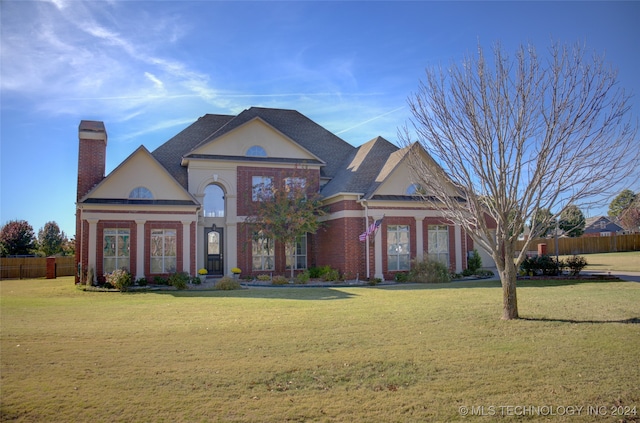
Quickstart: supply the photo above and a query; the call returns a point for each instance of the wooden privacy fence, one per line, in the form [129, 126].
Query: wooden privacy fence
[35, 267]
[587, 245]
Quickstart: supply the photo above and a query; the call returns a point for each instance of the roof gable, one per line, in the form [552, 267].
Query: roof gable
[171, 152]
[361, 171]
[237, 141]
[140, 169]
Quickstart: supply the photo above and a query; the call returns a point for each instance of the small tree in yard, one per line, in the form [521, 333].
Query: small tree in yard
[510, 139]
[285, 214]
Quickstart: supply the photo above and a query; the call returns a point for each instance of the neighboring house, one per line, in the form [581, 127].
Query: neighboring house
[601, 226]
[183, 206]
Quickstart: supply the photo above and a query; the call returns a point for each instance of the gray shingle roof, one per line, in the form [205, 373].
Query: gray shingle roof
[171, 152]
[328, 147]
[365, 168]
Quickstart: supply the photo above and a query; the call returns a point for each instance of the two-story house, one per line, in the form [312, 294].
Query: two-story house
[183, 206]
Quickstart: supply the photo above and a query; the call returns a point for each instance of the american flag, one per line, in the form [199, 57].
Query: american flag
[370, 230]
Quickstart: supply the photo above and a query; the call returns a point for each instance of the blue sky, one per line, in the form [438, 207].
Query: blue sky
[149, 69]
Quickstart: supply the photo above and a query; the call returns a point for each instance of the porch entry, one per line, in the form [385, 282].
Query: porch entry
[214, 250]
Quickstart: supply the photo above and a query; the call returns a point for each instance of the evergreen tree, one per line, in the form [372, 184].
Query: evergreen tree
[621, 202]
[50, 239]
[572, 221]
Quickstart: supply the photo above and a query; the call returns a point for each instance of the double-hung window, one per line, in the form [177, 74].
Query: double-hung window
[263, 254]
[293, 185]
[261, 188]
[298, 253]
[398, 254]
[163, 251]
[438, 239]
[115, 252]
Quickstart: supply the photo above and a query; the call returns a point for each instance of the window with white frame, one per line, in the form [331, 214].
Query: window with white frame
[438, 243]
[297, 253]
[163, 251]
[261, 188]
[398, 253]
[293, 184]
[115, 252]
[415, 189]
[256, 151]
[140, 193]
[263, 254]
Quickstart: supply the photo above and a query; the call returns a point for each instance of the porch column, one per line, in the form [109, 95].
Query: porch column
[186, 246]
[93, 248]
[419, 238]
[140, 248]
[231, 247]
[377, 252]
[457, 235]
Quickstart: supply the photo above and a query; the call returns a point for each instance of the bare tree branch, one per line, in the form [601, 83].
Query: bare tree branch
[516, 136]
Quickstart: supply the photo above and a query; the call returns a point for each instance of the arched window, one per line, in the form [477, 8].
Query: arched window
[415, 189]
[140, 193]
[213, 201]
[256, 151]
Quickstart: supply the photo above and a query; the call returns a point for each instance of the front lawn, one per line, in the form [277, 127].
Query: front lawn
[410, 353]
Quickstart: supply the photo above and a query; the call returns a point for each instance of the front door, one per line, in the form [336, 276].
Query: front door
[214, 249]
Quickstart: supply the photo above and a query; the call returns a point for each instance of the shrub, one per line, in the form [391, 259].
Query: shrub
[474, 262]
[401, 277]
[142, 282]
[575, 264]
[541, 265]
[264, 277]
[330, 274]
[227, 283]
[179, 280]
[279, 280]
[468, 272]
[484, 273]
[302, 278]
[429, 271]
[374, 281]
[120, 279]
[159, 280]
[315, 272]
[196, 280]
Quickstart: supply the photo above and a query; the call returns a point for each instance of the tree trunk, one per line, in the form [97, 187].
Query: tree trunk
[509, 298]
[508, 273]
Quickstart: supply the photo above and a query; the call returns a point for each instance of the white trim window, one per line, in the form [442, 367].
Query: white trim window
[261, 188]
[116, 248]
[141, 193]
[299, 254]
[398, 250]
[438, 247]
[262, 254]
[293, 184]
[163, 251]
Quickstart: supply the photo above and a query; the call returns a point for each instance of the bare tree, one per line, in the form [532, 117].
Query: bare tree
[516, 136]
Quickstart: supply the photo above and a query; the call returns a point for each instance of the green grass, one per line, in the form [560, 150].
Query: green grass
[412, 353]
[627, 261]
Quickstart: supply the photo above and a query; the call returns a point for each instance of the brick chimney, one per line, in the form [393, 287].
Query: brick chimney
[92, 155]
